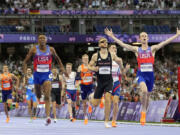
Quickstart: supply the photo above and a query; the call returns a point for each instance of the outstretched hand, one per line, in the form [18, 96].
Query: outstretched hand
[108, 32]
[178, 31]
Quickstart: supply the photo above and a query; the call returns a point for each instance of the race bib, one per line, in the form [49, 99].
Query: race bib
[147, 67]
[104, 70]
[6, 85]
[87, 79]
[30, 87]
[43, 68]
[55, 85]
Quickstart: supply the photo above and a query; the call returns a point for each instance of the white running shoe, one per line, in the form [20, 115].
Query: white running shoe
[107, 125]
[55, 120]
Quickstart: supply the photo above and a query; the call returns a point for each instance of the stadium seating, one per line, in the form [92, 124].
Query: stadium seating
[151, 29]
[100, 28]
[8, 29]
[51, 29]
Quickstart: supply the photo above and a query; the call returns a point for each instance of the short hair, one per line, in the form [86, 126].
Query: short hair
[142, 33]
[69, 64]
[102, 39]
[42, 35]
[84, 55]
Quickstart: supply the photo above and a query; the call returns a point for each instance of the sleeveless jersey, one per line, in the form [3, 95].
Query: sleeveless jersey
[70, 82]
[105, 67]
[56, 84]
[115, 72]
[6, 81]
[42, 60]
[145, 60]
[30, 85]
[86, 76]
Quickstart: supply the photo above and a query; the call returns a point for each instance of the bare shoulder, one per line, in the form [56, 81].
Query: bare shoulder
[33, 50]
[79, 68]
[94, 56]
[52, 49]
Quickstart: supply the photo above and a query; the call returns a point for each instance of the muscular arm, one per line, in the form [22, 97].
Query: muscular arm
[31, 52]
[154, 48]
[119, 42]
[58, 60]
[63, 85]
[92, 63]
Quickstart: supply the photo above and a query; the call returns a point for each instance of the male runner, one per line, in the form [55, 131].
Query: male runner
[57, 91]
[117, 71]
[71, 91]
[86, 77]
[28, 82]
[145, 58]
[101, 62]
[43, 54]
[6, 80]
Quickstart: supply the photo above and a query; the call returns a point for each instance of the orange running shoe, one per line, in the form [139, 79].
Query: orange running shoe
[90, 109]
[34, 118]
[7, 120]
[72, 119]
[101, 105]
[114, 124]
[143, 118]
[85, 121]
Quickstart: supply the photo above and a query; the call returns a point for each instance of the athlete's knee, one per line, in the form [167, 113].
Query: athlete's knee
[47, 98]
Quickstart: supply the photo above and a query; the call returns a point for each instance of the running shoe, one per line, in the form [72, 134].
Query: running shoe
[143, 118]
[7, 120]
[107, 125]
[114, 124]
[48, 121]
[85, 121]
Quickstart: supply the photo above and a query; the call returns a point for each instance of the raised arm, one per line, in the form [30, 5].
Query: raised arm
[154, 48]
[28, 56]
[61, 66]
[92, 64]
[119, 42]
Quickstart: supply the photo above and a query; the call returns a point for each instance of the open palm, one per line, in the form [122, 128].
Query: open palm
[108, 32]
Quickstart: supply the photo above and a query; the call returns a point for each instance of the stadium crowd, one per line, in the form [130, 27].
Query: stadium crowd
[14, 5]
[117, 4]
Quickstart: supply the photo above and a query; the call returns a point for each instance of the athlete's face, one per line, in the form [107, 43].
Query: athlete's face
[143, 37]
[54, 71]
[68, 68]
[42, 40]
[29, 71]
[85, 59]
[5, 69]
[113, 49]
[103, 43]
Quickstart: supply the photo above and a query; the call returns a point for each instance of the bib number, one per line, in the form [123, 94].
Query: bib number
[6, 85]
[55, 85]
[148, 67]
[104, 70]
[30, 87]
[43, 68]
[87, 79]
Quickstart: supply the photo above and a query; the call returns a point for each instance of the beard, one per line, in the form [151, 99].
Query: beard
[105, 47]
